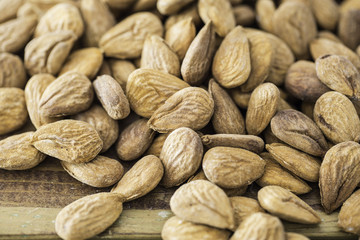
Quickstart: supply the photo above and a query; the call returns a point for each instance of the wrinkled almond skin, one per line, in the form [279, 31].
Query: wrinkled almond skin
[88, 216]
[134, 140]
[13, 113]
[263, 105]
[46, 54]
[107, 128]
[68, 140]
[247, 142]
[112, 97]
[189, 12]
[276, 175]
[190, 107]
[143, 177]
[260, 226]
[227, 118]
[326, 13]
[148, 89]
[336, 116]
[286, 205]
[232, 65]
[198, 58]
[339, 174]
[181, 156]
[299, 163]
[349, 214]
[57, 100]
[349, 27]
[244, 207]
[100, 172]
[12, 71]
[126, 39]
[17, 153]
[232, 167]
[120, 70]
[157, 145]
[298, 130]
[201, 201]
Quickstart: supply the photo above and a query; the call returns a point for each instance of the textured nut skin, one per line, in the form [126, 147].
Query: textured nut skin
[201, 201]
[286, 205]
[100, 172]
[232, 167]
[190, 107]
[265, 10]
[181, 156]
[191, 11]
[13, 113]
[326, 13]
[244, 207]
[126, 39]
[17, 153]
[168, 7]
[143, 177]
[121, 70]
[9, 9]
[134, 140]
[88, 216]
[12, 71]
[296, 129]
[107, 128]
[349, 214]
[156, 146]
[339, 174]
[68, 140]
[148, 89]
[349, 26]
[57, 100]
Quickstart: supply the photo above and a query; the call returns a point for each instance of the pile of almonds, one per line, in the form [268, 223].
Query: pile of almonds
[220, 94]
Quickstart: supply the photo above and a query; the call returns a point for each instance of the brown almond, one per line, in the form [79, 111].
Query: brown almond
[349, 214]
[244, 207]
[12, 71]
[157, 145]
[9, 9]
[295, 236]
[120, 70]
[244, 15]
[169, 7]
[265, 10]
[349, 27]
[326, 13]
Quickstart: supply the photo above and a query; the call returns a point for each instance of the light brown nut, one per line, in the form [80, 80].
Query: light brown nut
[134, 140]
[63, 16]
[158, 55]
[30, 9]
[326, 13]
[302, 82]
[337, 118]
[294, 22]
[339, 174]
[88, 216]
[244, 207]
[97, 18]
[144, 5]
[227, 118]
[13, 113]
[126, 39]
[180, 35]
[231, 66]
[169, 7]
[349, 214]
[148, 89]
[176, 228]
[201, 201]
[34, 90]
[269, 136]
[265, 10]
[119, 4]
[244, 15]
[107, 128]
[263, 104]
[120, 70]
[240, 98]
[12, 71]
[14, 34]
[112, 97]
[260, 226]
[322, 46]
[349, 27]
[181, 156]
[276, 175]
[298, 130]
[261, 55]
[86, 61]
[348, 5]
[99, 172]
[143, 177]
[189, 12]
[8, 9]
[220, 13]
[198, 58]
[286, 205]
[47, 53]
[295, 236]
[339, 74]
[17, 153]
[67, 95]
[232, 167]
[189, 107]
[157, 145]
[297, 162]
[68, 140]
[248, 142]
